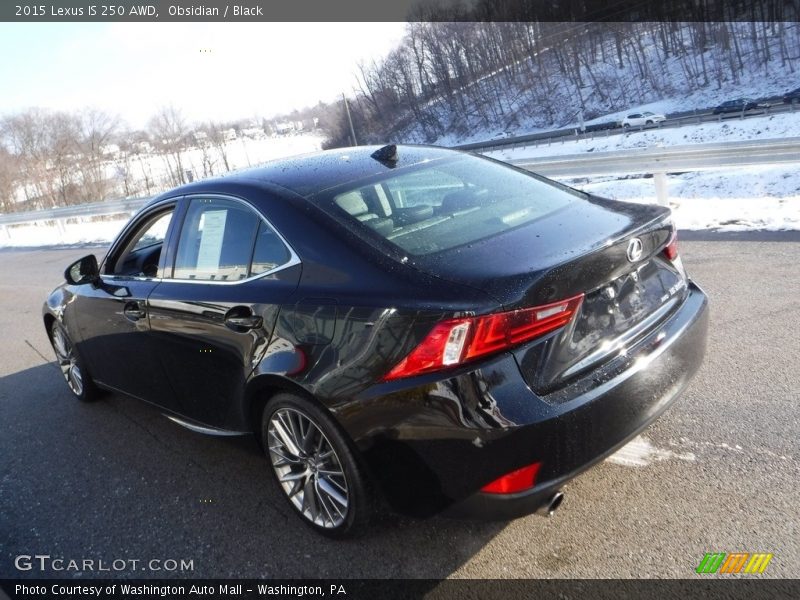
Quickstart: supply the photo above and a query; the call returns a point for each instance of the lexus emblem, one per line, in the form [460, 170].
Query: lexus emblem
[635, 249]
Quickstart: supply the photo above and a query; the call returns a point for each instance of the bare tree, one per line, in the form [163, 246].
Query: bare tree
[61, 131]
[26, 139]
[96, 130]
[216, 138]
[8, 179]
[169, 130]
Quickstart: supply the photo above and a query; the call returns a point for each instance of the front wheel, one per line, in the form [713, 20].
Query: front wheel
[71, 365]
[315, 467]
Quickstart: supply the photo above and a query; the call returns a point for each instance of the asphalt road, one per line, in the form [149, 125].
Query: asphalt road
[719, 472]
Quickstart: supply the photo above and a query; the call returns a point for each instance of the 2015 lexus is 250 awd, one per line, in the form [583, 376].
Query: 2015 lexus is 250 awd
[433, 328]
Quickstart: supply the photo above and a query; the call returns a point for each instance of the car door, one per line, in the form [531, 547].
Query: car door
[111, 314]
[213, 317]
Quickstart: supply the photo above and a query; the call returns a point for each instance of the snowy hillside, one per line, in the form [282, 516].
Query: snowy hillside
[455, 83]
[757, 85]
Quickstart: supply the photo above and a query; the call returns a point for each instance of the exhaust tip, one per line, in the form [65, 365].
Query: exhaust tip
[549, 507]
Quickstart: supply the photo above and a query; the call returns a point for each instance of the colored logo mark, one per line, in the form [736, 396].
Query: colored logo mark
[735, 562]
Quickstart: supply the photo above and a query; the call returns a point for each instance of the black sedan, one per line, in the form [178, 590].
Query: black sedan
[432, 328]
[738, 105]
[792, 96]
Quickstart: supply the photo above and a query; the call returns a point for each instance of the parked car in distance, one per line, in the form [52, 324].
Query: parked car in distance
[429, 327]
[792, 96]
[642, 118]
[602, 126]
[739, 105]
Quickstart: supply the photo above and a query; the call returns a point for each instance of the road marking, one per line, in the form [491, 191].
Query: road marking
[730, 448]
[639, 452]
[42, 356]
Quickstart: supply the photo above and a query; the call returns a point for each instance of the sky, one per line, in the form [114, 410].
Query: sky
[221, 71]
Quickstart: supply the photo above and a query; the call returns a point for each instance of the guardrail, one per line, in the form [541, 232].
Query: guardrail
[95, 209]
[61, 214]
[658, 161]
[674, 120]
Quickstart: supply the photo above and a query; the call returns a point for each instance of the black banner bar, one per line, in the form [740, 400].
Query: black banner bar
[728, 588]
[396, 10]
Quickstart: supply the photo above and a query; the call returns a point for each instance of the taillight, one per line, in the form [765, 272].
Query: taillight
[516, 481]
[457, 341]
[671, 249]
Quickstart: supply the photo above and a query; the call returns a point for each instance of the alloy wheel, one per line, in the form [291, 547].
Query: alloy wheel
[308, 468]
[67, 361]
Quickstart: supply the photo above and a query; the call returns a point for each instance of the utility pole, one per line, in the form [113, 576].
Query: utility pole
[349, 120]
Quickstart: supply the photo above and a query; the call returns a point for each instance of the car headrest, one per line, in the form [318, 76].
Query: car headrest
[352, 202]
[455, 201]
[382, 225]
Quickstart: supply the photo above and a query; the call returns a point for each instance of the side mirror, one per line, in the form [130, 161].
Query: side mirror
[83, 271]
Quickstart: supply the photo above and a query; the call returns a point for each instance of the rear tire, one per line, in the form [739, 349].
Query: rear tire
[315, 467]
[72, 365]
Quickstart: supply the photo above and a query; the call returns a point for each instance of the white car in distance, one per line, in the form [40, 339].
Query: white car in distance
[642, 118]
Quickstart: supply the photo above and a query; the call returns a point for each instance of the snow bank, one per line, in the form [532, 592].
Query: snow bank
[47, 234]
[755, 198]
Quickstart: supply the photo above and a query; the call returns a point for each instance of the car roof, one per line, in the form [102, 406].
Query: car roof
[310, 174]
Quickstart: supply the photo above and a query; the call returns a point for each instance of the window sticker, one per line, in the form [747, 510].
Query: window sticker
[213, 229]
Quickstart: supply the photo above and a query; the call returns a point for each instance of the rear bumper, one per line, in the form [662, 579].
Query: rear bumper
[454, 436]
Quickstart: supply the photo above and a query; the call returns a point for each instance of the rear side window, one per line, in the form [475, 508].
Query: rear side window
[434, 207]
[224, 240]
[270, 252]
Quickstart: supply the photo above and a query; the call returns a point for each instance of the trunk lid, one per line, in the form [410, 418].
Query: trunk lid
[582, 248]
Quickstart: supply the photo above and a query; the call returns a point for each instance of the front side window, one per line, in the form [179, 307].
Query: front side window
[443, 204]
[225, 240]
[139, 255]
[154, 233]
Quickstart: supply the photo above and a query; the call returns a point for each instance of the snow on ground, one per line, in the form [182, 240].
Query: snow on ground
[80, 232]
[245, 152]
[241, 153]
[759, 197]
[763, 197]
[756, 198]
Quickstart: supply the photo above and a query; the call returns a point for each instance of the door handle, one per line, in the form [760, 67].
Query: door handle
[241, 319]
[134, 311]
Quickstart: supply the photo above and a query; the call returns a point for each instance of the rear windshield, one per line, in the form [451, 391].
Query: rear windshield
[447, 203]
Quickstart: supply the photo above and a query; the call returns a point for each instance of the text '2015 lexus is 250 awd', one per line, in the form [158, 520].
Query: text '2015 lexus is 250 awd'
[433, 328]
